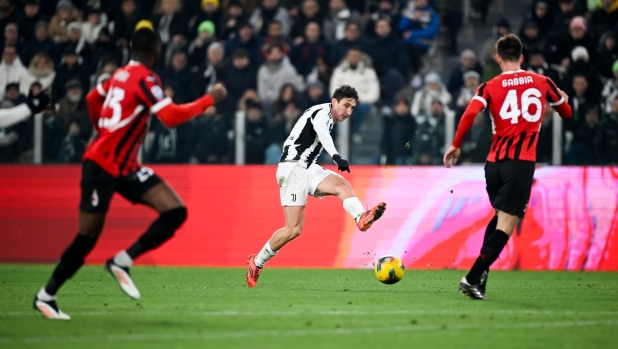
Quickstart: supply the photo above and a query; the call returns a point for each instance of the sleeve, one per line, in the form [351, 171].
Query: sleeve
[12, 116]
[95, 100]
[321, 123]
[475, 107]
[150, 93]
[556, 100]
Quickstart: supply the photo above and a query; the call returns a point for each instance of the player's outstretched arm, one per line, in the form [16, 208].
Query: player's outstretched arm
[173, 115]
[37, 101]
[321, 124]
[476, 106]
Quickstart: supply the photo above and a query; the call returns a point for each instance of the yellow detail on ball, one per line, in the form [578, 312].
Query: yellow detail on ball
[389, 270]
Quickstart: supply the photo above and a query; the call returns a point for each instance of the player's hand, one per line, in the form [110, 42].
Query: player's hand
[564, 95]
[218, 93]
[38, 100]
[342, 164]
[452, 153]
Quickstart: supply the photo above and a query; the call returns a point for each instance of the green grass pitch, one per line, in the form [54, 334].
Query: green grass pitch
[305, 308]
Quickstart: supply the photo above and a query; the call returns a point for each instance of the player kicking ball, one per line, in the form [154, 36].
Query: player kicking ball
[516, 100]
[298, 175]
[119, 109]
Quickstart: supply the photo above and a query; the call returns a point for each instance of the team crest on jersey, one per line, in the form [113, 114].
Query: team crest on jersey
[94, 198]
[157, 92]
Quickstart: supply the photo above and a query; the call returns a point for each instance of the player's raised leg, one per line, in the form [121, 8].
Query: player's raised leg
[172, 214]
[336, 185]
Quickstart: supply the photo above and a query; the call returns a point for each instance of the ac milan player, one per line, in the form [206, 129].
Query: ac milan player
[516, 100]
[119, 109]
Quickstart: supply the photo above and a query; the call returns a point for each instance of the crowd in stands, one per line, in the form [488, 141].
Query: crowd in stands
[279, 57]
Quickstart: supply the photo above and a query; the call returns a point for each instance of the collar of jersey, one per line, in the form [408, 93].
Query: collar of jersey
[134, 62]
[514, 71]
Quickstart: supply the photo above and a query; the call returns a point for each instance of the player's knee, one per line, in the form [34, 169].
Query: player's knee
[294, 232]
[343, 187]
[175, 217]
[91, 232]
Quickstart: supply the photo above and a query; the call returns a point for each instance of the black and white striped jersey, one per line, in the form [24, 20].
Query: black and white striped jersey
[309, 136]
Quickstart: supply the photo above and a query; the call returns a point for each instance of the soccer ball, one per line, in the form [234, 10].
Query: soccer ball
[389, 270]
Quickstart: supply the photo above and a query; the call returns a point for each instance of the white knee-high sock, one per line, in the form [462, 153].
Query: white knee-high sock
[354, 207]
[265, 254]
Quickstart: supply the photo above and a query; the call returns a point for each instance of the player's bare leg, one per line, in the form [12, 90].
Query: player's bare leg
[172, 215]
[90, 227]
[338, 186]
[294, 222]
[492, 247]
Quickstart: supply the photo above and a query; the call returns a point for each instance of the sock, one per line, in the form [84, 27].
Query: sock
[265, 254]
[44, 296]
[489, 253]
[72, 259]
[159, 232]
[491, 227]
[122, 259]
[354, 207]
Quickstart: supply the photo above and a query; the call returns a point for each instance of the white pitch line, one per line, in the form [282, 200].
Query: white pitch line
[294, 333]
[134, 312]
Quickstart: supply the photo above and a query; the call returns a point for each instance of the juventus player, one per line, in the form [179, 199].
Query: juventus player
[298, 175]
[119, 109]
[36, 102]
[516, 100]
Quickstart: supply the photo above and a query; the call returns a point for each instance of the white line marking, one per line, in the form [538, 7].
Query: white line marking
[294, 333]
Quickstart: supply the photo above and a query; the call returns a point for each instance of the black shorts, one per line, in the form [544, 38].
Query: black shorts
[509, 183]
[98, 186]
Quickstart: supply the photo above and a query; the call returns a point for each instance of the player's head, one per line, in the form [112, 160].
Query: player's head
[146, 46]
[508, 49]
[343, 102]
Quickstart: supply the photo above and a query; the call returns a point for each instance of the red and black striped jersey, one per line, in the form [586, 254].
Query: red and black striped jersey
[516, 101]
[131, 95]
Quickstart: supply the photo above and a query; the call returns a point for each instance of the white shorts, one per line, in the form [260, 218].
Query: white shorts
[296, 182]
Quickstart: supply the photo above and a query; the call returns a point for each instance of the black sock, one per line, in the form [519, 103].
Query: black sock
[489, 253]
[72, 259]
[491, 228]
[159, 231]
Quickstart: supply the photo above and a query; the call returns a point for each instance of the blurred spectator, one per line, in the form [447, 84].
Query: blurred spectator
[95, 21]
[70, 68]
[40, 43]
[53, 136]
[212, 70]
[274, 73]
[501, 27]
[532, 39]
[336, 19]
[10, 137]
[604, 17]
[432, 91]
[453, 19]
[9, 13]
[279, 130]
[354, 71]
[491, 68]
[352, 38]
[608, 54]
[478, 141]
[210, 11]
[536, 64]
[315, 94]
[104, 49]
[541, 15]
[31, 17]
[467, 61]
[610, 90]
[581, 148]
[269, 11]
[66, 14]
[390, 60]
[125, 22]
[240, 77]
[230, 24]
[321, 73]
[580, 100]
[398, 134]
[178, 42]
[387, 9]
[310, 11]
[107, 69]
[78, 43]
[287, 95]
[428, 144]
[275, 37]
[471, 79]
[170, 21]
[11, 69]
[581, 66]
[41, 70]
[197, 48]
[248, 41]
[606, 140]
[419, 24]
[544, 148]
[568, 9]
[256, 135]
[313, 49]
[72, 112]
[178, 75]
[250, 96]
[11, 93]
[577, 36]
[11, 37]
[211, 142]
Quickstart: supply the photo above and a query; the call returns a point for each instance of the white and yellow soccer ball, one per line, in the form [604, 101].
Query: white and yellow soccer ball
[389, 269]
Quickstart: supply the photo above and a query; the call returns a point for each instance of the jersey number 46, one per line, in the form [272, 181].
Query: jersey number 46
[510, 108]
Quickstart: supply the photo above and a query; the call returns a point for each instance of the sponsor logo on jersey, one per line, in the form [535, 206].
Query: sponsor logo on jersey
[94, 198]
[157, 92]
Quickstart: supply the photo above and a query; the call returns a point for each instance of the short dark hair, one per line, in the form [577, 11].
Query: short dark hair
[345, 91]
[509, 48]
[145, 41]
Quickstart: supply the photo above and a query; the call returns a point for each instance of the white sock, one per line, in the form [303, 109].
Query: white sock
[265, 254]
[354, 207]
[44, 296]
[122, 259]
